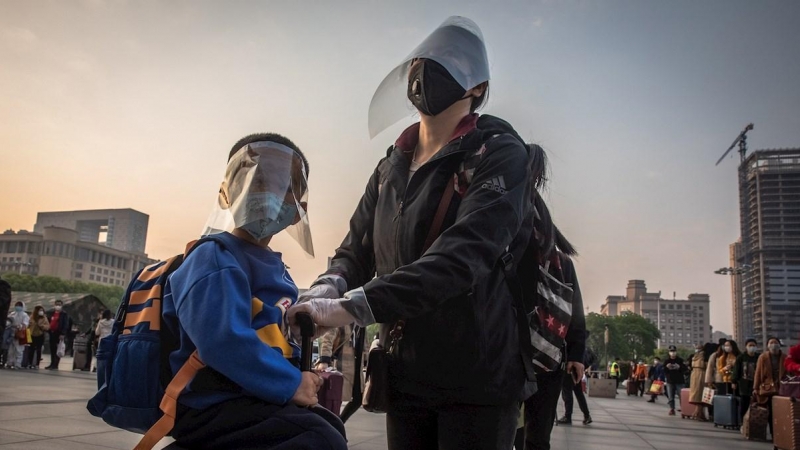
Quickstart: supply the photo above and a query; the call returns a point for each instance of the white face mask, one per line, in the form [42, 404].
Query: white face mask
[728, 349]
[41, 313]
[774, 348]
[751, 349]
[58, 307]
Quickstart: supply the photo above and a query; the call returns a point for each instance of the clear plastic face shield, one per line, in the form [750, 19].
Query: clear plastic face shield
[264, 192]
[457, 44]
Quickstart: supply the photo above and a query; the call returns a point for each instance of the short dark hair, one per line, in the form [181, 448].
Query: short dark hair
[479, 101]
[59, 302]
[18, 304]
[750, 340]
[271, 137]
[107, 314]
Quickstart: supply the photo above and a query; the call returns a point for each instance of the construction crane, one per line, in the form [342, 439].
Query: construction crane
[742, 141]
[742, 267]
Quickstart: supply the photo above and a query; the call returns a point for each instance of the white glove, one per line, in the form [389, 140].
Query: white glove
[322, 290]
[325, 312]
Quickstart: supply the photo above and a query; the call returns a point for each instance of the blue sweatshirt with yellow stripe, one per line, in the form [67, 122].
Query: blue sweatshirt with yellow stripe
[228, 300]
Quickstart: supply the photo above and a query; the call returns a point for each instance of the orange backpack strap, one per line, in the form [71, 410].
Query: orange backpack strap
[169, 403]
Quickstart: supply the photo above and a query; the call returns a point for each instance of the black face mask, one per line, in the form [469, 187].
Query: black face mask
[432, 89]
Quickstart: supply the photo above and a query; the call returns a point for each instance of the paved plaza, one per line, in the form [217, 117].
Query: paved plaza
[47, 410]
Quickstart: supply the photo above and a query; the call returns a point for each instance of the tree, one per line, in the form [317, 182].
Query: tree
[111, 296]
[640, 335]
[630, 336]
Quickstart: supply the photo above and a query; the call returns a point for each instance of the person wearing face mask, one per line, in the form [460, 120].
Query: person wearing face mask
[39, 325]
[656, 373]
[60, 326]
[19, 323]
[725, 363]
[770, 371]
[423, 252]
[228, 300]
[674, 369]
[744, 372]
[698, 366]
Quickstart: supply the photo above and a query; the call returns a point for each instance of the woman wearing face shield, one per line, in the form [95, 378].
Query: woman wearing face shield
[456, 371]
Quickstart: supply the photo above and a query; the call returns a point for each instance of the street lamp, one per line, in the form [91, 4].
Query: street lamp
[732, 271]
[606, 338]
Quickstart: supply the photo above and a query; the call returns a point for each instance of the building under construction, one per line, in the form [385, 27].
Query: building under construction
[769, 284]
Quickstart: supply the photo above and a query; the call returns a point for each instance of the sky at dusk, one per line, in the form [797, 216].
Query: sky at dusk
[117, 104]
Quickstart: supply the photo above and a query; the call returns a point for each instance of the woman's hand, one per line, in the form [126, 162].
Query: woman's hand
[325, 312]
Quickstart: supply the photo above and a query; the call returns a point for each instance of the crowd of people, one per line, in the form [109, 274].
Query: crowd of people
[751, 376]
[25, 333]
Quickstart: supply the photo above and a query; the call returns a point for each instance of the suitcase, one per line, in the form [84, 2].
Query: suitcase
[603, 388]
[786, 423]
[27, 356]
[330, 394]
[79, 360]
[754, 424]
[633, 387]
[726, 412]
[687, 409]
[79, 353]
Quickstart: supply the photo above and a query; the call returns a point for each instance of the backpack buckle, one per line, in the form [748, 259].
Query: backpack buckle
[507, 259]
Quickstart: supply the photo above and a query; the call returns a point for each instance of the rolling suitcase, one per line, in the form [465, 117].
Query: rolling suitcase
[754, 424]
[80, 357]
[726, 412]
[633, 387]
[785, 423]
[330, 394]
[687, 409]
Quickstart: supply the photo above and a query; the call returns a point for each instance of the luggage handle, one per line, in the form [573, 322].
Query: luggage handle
[307, 331]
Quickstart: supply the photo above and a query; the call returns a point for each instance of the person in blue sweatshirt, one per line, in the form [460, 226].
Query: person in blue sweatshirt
[228, 300]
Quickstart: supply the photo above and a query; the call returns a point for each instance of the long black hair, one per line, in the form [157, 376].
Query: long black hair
[549, 236]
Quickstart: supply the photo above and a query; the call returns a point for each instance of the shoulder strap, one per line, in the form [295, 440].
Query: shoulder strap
[438, 219]
[169, 403]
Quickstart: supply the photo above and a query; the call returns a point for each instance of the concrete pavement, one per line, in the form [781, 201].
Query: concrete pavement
[47, 410]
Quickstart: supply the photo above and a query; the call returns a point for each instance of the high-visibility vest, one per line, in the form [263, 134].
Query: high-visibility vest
[614, 369]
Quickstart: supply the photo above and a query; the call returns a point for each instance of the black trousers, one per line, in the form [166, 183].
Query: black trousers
[38, 343]
[54, 359]
[415, 423]
[250, 423]
[540, 410]
[567, 391]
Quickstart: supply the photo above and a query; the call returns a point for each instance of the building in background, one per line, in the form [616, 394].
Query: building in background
[79, 252]
[717, 335]
[120, 229]
[769, 197]
[682, 322]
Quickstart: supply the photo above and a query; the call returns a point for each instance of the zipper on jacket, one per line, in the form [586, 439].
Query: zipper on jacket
[399, 212]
